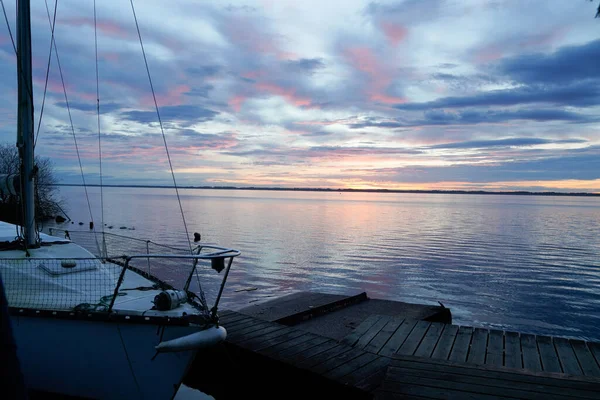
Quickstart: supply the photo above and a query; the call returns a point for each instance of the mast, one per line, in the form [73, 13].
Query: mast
[25, 120]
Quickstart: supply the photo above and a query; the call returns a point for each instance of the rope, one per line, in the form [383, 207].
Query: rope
[103, 253]
[52, 26]
[72, 129]
[8, 26]
[137, 385]
[102, 305]
[187, 235]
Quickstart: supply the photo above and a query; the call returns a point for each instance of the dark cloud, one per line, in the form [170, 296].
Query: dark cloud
[567, 77]
[409, 11]
[577, 94]
[204, 70]
[200, 91]
[90, 107]
[477, 144]
[438, 117]
[308, 65]
[209, 141]
[318, 133]
[472, 117]
[566, 65]
[185, 113]
[583, 164]
[324, 152]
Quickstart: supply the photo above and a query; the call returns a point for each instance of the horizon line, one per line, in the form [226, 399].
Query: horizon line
[414, 191]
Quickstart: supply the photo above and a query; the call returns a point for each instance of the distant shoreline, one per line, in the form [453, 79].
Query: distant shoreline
[279, 189]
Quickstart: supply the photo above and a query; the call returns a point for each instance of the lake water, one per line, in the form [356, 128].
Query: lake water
[524, 263]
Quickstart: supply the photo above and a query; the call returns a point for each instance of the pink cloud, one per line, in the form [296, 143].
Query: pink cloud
[107, 27]
[249, 36]
[253, 74]
[380, 77]
[287, 93]
[110, 56]
[236, 102]
[175, 95]
[394, 33]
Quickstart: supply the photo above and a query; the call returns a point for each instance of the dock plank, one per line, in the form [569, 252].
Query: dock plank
[283, 346]
[478, 348]
[302, 347]
[566, 385]
[365, 372]
[512, 350]
[337, 360]
[566, 355]
[232, 317]
[360, 330]
[264, 344]
[300, 357]
[324, 356]
[444, 346]
[252, 339]
[531, 355]
[595, 350]
[548, 354]
[451, 379]
[384, 335]
[430, 340]
[366, 338]
[398, 338]
[414, 338]
[586, 359]
[351, 366]
[460, 350]
[250, 334]
[495, 348]
[435, 389]
[236, 327]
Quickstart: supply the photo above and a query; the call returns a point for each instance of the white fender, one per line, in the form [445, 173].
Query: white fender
[205, 338]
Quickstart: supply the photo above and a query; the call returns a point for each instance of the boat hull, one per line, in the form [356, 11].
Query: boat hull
[101, 360]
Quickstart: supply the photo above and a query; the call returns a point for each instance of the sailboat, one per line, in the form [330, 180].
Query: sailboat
[96, 327]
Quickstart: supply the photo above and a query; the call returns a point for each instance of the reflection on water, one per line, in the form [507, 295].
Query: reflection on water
[515, 262]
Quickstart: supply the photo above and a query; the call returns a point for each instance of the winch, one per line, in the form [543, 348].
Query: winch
[169, 299]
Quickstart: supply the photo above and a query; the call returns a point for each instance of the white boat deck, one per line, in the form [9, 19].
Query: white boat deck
[62, 276]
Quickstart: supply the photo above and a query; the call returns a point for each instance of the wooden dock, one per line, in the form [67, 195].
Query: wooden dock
[388, 336]
[387, 357]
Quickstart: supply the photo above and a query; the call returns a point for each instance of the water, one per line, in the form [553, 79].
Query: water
[522, 263]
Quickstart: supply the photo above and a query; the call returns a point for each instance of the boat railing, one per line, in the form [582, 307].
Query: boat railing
[112, 245]
[170, 267]
[221, 258]
[94, 284]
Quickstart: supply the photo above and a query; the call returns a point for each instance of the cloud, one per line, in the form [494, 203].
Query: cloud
[187, 114]
[566, 65]
[307, 65]
[477, 144]
[90, 107]
[474, 117]
[577, 94]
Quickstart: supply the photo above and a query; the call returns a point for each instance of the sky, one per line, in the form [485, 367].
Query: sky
[403, 94]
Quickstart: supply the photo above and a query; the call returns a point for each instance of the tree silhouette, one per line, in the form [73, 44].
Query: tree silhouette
[46, 203]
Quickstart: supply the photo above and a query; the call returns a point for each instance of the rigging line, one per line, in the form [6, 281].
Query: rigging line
[187, 234]
[99, 135]
[74, 136]
[8, 26]
[52, 26]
